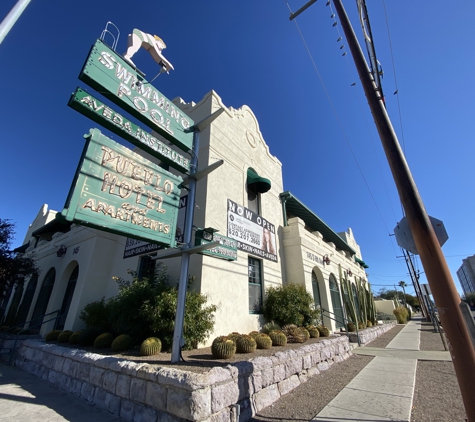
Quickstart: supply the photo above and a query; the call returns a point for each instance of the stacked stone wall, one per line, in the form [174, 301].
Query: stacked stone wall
[369, 334]
[147, 392]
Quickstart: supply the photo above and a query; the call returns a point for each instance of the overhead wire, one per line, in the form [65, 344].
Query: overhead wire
[336, 114]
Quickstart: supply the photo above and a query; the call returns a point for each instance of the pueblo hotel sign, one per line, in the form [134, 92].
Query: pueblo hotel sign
[119, 191]
[109, 73]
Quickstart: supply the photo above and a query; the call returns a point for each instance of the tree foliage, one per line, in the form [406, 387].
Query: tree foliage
[390, 294]
[290, 304]
[15, 268]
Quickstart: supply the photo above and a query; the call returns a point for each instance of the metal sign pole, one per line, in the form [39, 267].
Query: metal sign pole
[12, 17]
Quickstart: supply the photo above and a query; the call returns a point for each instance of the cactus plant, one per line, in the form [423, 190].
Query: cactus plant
[223, 348]
[88, 335]
[103, 341]
[313, 331]
[294, 334]
[278, 338]
[122, 342]
[361, 325]
[234, 336]
[263, 341]
[324, 331]
[74, 338]
[150, 346]
[245, 344]
[305, 332]
[270, 326]
[52, 335]
[351, 327]
[369, 323]
[64, 336]
[254, 334]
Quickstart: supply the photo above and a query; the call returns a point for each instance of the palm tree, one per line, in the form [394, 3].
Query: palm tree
[403, 284]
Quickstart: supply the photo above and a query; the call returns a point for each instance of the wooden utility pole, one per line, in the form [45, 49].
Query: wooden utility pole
[437, 272]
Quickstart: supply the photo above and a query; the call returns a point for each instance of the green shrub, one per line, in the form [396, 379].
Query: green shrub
[103, 341]
[64, 336]
[401, 314]
[52, 335]
[96, 314]
[151, 346]
[270, 326]
[290, 304]
[409, 314]
[122, 342]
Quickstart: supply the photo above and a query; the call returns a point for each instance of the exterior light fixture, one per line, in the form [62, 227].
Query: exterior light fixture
[61, 251]
[326, 260]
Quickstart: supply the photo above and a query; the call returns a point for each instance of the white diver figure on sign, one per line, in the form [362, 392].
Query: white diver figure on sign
[152, 43]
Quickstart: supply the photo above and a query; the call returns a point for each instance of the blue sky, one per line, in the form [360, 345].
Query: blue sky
[250, 53]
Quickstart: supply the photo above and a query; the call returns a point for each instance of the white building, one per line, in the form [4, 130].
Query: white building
[284, 240]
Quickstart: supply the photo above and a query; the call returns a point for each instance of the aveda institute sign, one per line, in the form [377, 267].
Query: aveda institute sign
[107, 72]
[121, 192]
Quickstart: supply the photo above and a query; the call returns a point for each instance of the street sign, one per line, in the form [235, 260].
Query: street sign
[119, 191]
[405, 239]
[226, 250]
[91, 107]
[108, 72]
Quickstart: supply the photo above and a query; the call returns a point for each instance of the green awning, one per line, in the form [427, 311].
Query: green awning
[294, 207]
[362, 263]
[260, 184]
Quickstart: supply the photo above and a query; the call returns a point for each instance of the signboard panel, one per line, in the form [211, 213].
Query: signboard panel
[108, 72]
[227, 250]
[119, 191]
[91, 107]
[253, 233]
[134, 247]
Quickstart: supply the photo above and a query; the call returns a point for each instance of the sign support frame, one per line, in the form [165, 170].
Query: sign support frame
[178, 340]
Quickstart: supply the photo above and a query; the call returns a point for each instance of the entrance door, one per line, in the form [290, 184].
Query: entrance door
[336, 303]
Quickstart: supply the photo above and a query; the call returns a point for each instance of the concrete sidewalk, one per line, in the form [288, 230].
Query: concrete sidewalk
[384, 389]
[26, 398]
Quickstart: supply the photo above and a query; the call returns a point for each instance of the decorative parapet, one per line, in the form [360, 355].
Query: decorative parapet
[141, 391]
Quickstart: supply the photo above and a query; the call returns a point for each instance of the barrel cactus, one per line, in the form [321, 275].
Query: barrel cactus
[369, 323]
[245, 344]
[313, 331]
[263, 341]
[103, 341]
[305, 332]
[64, 336]
[74, 338]
[361, 325]
[254, 334]
[351, 327]
[52, 335]
[234, 336]
[223, 348]
[270, 326]
[294, 334]
[122, 342]
[278, 338]
[151, 346]
[324, 331]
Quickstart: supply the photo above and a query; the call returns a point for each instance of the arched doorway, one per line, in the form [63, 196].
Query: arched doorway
[68, 297]
[336, 302]
[43, 297]
[26, 302]
[316, 291]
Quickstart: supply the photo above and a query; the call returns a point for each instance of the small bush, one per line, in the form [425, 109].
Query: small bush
[401, 314]
[122, 342]
[270, 326]
[64, 336]
[52, 335]
[96, 314]
[103, 341]
[290, 304]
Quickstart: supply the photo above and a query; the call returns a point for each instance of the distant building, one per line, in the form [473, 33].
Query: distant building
[280, 240]
[466, 275]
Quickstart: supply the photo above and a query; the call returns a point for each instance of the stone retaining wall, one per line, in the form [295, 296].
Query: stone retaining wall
[146, 392]
[369, 334]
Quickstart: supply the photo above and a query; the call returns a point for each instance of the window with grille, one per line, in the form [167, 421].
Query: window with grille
[255, 285]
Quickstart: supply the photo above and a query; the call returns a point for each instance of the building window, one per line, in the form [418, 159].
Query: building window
[146, 267]
[316, 291]
[67, 299]
[255, 285]
[253, 199]
[43, 297]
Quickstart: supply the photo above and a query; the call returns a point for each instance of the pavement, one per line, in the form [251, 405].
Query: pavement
[384, 389]
[26, 398]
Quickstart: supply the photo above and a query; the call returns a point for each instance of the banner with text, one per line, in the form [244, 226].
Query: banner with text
[254, 234]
